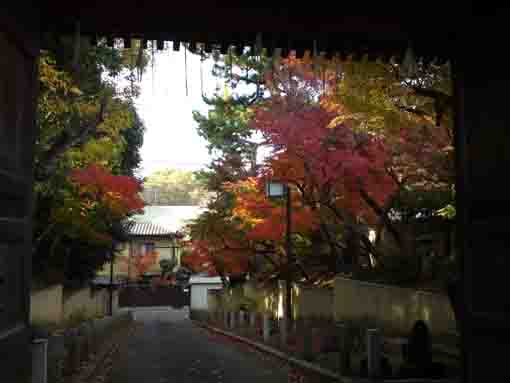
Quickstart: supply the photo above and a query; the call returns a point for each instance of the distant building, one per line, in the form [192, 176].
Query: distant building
[156, 231]
[173, 218]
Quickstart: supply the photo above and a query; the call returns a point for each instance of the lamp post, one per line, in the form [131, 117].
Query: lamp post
[112, 259]
[279, 190]
[115, 248]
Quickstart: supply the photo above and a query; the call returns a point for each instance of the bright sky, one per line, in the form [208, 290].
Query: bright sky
[171, 139]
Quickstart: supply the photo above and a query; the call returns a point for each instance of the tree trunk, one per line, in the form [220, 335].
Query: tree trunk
[353, 247]
[408, 240]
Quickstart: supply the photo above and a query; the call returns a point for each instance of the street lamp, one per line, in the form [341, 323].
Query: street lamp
[115, 248]
[276, 190]
[110, 286]
[279, 190]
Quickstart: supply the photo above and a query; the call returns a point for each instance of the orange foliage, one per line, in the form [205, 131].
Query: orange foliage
[143, 263]
[231, 259]
[119, 193]
[138, 263]
[263, 219]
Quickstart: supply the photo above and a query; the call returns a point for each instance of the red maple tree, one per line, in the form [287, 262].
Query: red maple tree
[353, 173]
[230, 259]
[119, 193]
[332, 163]
[218, 247]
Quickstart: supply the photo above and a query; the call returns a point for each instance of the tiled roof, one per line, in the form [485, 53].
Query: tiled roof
[148, 229]
[172, 218]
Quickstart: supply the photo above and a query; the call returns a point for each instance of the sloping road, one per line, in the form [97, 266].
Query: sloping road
[167, 347]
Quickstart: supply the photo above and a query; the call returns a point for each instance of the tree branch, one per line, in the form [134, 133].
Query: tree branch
[66, 141]
[370, 248]
[417, 112]
[303, 271]
[381, 213]
[434, 94]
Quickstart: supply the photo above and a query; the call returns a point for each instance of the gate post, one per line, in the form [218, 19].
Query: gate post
[232, 320]
[266, 326]
[253, 319]
[283, 331]
[373, 353]
[225, 319]
[307, 340]
[344, 351]
[40, 361]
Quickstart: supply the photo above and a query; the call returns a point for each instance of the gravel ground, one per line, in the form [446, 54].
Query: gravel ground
[167, 347]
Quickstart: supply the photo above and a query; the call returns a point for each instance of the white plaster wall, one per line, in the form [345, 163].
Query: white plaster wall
[394, 308]
[199, 293]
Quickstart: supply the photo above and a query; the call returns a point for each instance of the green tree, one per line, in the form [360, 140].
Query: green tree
[84, 119]
[167, 266]
[133, 141]
[226, 127]
[173, 187]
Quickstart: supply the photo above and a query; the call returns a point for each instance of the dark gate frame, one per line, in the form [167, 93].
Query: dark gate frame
[472, 41]
[18, 97]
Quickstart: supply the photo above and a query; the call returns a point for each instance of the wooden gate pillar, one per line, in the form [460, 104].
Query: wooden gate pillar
[483, 208]
[18, 92]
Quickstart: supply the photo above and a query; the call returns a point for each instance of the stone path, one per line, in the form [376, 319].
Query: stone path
[167, 347]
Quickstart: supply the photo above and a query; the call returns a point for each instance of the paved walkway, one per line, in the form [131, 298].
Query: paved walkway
[167, 347]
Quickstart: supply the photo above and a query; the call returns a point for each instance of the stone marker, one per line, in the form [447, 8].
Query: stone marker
[225, 319]
[419, 347]
[253, 319]
[93, 341]
[344, 354]
[373, 353]
[102, 329]
[75, 357]
[307, 332]
[85, 330]
[283, 332]
[417, 355]
[232, 320]
[266, 326]
[40, 360]
[56, 357]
